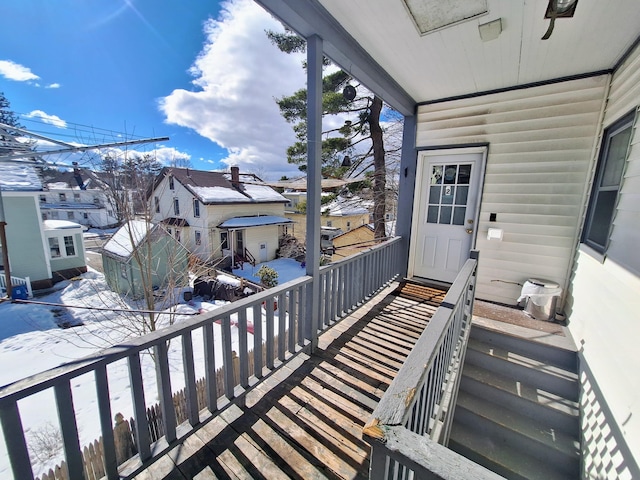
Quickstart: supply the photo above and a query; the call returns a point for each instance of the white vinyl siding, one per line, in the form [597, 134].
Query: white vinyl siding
[604, 315]
[541, 141]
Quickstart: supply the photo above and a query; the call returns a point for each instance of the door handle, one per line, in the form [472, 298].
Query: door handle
[469, 230]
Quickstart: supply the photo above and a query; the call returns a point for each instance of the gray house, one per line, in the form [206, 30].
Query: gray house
[140, 254]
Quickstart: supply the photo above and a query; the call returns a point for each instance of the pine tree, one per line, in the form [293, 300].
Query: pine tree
[7, 117]
[339, 143]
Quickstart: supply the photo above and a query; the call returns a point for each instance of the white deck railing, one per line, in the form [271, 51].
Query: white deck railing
[14, 282]
[344, 285]
[409, 429]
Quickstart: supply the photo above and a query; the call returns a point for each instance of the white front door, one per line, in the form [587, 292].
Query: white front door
[263, 252]
[445, 211]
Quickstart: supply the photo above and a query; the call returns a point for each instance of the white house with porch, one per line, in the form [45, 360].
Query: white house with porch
[220, 216]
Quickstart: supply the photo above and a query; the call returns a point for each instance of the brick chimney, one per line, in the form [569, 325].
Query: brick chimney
[235, 177]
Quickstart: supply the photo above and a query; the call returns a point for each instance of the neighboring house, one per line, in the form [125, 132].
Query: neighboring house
[139, 247]
[220, 216]
[46, 252]
[346, 213]
[79, 196]
[534, 137]
[354, 241]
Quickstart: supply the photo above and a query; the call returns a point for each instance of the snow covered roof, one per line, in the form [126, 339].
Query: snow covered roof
[60, 225]
[343, 206]
[16, 177]
[121, 244]
[217, 187]
[246, 222]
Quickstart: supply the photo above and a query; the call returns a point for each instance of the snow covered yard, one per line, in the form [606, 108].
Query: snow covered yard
[31, 341]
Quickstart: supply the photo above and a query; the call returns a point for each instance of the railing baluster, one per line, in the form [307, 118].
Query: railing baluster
[190, 378]
[282, 326]
[163, 380]
[105, 414]
[270, 332]
[210, 367]
[15, 441]
[302, 314]
[227, 358]
[293, 319]
[139, 407]
[339, 290]
[243, 354]
[334, 294]
[257, 341]
[327, 300]
[69, 429]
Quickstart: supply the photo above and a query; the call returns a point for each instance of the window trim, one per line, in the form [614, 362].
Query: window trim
[62, 246]
[196, 208]
[619, 126]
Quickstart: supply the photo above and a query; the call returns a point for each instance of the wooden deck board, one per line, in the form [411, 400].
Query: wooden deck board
[305, 421]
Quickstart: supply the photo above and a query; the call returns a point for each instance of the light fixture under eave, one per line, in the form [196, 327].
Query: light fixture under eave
[558, 9]
[490, 30]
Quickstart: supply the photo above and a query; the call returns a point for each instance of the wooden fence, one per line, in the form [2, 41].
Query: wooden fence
[124, 431]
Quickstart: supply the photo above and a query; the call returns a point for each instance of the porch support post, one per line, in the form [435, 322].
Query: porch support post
[314, 185]
[408, 167]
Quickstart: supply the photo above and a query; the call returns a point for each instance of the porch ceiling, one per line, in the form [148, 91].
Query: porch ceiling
[454, 60]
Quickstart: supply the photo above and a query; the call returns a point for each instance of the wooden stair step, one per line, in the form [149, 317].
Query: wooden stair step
[502, 459]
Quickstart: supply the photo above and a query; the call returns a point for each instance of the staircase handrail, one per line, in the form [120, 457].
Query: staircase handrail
[421, 398]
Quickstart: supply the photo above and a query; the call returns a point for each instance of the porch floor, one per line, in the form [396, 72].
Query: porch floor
[305, 421]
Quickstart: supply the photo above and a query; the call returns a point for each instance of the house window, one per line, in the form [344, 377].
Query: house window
[54, 214]
[54, 247]
[63, 197]
[177, 234]
[96, 200]
[43, 198]
[348, 225]
[176, 206]
[156, 202]
[110, 213]
[69, 247]
[123, 270]
[196, 208]
[171, 185]
[329, 223]
[85, 215]
[76, 197]
[198, 238]
[606, 184]
[70, 215]
[224, 240]
[44, 216]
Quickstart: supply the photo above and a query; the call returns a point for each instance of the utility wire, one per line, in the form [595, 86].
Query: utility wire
[128, 310]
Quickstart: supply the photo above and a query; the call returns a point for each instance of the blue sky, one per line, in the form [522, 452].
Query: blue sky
[200, 72]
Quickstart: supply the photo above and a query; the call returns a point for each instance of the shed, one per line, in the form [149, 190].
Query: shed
[141, 249]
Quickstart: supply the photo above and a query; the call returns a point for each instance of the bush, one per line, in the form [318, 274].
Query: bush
[268, 276]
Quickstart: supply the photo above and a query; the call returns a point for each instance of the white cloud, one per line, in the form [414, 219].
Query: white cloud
[238, 74]
[46, 118]
[14, 71]
[53, 85]
[169, 155]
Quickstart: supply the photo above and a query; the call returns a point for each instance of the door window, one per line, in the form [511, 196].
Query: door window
[448, 192]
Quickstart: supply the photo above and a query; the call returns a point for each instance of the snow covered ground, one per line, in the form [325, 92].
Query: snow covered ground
[31, 342]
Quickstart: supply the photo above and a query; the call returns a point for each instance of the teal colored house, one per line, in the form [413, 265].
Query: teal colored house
[43, 251]
[140, 250]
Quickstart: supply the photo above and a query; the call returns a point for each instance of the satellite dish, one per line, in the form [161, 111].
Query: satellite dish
[349, 92]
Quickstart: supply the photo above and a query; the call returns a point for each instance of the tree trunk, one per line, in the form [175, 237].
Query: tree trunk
[379, 175]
